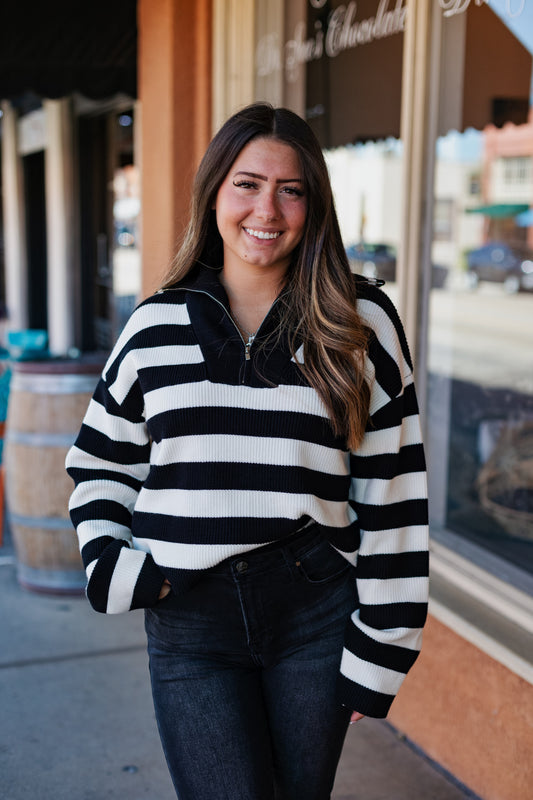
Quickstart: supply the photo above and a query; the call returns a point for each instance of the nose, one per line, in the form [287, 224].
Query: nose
[267, 207]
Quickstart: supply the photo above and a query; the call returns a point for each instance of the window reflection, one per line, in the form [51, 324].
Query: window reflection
[366, 180]
[480, 425]
[328, 63]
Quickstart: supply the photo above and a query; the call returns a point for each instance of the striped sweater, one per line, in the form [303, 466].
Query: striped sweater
[195, 448]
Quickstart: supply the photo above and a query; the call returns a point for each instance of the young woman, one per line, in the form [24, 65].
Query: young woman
[250, 471]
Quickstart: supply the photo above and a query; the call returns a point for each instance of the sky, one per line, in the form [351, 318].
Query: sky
[518, 16]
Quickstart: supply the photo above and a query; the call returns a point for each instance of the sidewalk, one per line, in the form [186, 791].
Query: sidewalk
[78, 724]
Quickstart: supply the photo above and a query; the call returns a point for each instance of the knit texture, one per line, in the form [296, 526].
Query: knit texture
[190, 453]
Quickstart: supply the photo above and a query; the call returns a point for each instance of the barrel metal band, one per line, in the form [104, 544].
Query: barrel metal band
[40, 439]
[54, 580]
[53, 384]
[48, 523]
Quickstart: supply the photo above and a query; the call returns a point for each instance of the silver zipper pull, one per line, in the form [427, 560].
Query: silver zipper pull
[248, 346]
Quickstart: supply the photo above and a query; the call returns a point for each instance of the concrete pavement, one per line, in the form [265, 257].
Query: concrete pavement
[78, 724]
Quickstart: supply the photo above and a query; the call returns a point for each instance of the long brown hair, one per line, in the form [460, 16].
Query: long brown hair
[319, 304]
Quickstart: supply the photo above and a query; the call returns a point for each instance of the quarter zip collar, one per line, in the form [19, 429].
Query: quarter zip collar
[229, 359]
[206, 279]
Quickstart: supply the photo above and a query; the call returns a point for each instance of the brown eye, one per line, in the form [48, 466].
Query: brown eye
[245, 184]
[292, 190]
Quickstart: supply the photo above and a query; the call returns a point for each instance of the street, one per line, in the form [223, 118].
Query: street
[483, 336]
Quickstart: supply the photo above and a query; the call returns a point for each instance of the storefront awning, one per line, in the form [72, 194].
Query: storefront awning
[58, 47]
[354, 67]
[499, 210]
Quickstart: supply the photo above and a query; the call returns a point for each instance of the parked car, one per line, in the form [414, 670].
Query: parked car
[500, 262]
[379, 261]
[372, 260]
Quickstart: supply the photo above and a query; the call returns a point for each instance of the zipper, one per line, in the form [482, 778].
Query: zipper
[248, 347]
[249, 343]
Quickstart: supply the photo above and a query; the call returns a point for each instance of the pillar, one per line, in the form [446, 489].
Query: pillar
[174, 68]
[14, 222]
[420, 99]
[60, 224]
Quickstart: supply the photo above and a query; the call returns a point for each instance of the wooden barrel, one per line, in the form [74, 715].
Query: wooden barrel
[47, 402]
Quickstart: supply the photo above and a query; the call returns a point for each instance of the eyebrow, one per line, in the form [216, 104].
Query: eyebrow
[264, 177]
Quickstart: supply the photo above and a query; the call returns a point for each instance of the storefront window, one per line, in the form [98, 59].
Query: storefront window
[339, 65]
[366, 180]
[480, 409]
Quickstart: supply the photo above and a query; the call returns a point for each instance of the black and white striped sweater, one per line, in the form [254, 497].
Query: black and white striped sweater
[193, 450]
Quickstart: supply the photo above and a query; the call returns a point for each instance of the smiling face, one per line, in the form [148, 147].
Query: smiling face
[261, 207]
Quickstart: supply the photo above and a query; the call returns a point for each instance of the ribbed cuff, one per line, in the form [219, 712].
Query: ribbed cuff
[364, 701]
[149, 584]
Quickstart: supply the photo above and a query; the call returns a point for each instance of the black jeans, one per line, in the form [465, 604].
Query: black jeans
[243, 671]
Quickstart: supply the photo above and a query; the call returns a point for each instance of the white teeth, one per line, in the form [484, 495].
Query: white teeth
[263, 234]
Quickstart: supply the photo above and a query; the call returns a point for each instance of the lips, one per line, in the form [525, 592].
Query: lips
[262, 234]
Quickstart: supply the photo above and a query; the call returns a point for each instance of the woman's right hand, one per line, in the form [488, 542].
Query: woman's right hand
[165, 589]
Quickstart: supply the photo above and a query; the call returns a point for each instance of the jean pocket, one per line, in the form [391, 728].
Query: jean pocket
[322, 563]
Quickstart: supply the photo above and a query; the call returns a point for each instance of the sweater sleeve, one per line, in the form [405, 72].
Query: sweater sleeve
[389, 496]
[109, 462]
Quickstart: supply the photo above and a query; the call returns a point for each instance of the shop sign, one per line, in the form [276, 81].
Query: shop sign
[32, 135]
[341, 32]
[513, 8]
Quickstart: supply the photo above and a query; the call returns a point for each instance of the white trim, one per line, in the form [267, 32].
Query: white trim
[60, 215]
[481, 640]
[233, 57]
[511, 603]
[418, 133]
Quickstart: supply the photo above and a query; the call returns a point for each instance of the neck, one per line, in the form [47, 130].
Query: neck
[249, 284]
[251, 295]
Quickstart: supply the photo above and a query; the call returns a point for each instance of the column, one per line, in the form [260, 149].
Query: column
[14, 223]
[420, 96]
[60, 224]
[175, 97]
